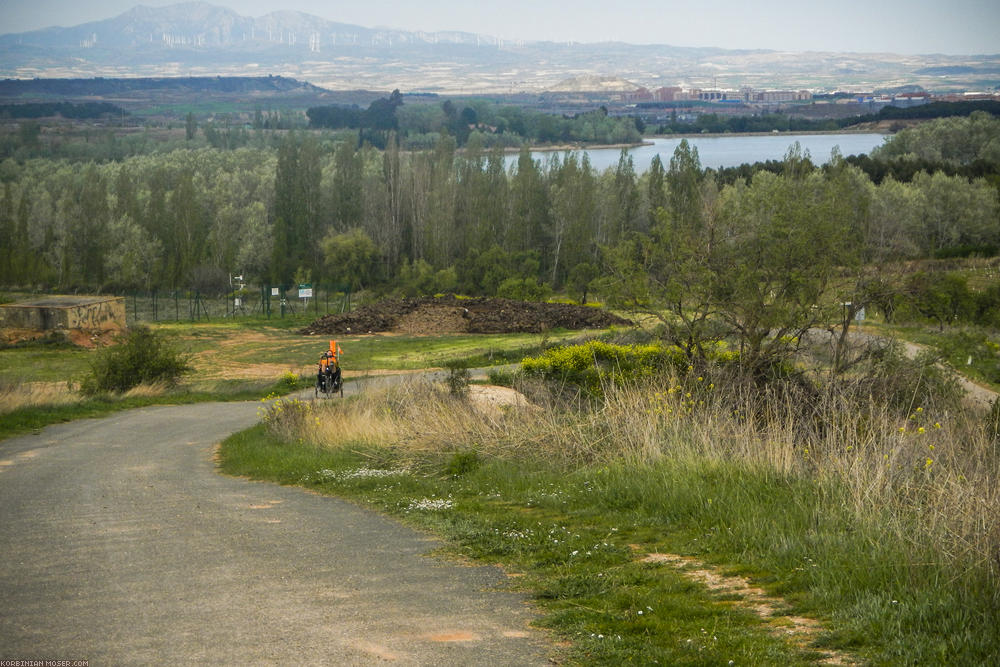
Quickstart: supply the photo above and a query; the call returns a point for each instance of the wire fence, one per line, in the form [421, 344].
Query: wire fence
[263, 301]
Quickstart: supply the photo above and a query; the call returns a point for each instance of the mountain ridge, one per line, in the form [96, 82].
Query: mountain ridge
[198, 38]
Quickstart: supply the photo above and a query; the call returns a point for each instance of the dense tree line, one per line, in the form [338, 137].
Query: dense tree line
[74, 110]
[958, 141]
[443, 219]
[719, 124]
[770, 122]
[418, 125]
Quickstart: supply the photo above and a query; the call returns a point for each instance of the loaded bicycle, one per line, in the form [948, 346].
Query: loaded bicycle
[329, 380]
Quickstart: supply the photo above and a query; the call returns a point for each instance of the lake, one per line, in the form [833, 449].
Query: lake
[729, 151]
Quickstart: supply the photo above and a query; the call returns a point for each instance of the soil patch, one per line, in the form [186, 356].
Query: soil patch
[80, 337]
[801, 630]
[449, 314]
[493, 401]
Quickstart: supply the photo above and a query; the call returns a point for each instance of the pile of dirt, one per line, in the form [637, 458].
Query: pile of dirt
[449, 314]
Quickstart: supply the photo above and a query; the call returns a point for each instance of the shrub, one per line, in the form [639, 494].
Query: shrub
[139, 356]
[899, 384]
[458, 378]
[592, 365]
[285, 417]
[501, 377]
[289, 381]
[462, 462]
[524, 289]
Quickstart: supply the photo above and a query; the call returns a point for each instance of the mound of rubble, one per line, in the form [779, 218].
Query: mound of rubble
[449, 314]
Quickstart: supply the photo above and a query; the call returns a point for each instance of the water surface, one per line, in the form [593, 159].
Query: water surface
[729, 150]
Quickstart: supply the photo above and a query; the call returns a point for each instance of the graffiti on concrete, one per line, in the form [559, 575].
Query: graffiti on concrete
[65, 312]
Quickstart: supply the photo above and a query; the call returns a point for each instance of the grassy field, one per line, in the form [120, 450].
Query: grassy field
[49, 360]
[230, 360]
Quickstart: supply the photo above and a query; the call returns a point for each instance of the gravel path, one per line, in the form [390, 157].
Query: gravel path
[122, 545]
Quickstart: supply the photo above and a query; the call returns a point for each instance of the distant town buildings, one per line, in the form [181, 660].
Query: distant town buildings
[751, 96]
[684, 104]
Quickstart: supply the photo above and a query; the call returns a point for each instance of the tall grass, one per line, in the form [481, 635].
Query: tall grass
[15, 394]
[885, 520]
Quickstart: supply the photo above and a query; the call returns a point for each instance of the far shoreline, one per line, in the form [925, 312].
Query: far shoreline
[789, 133]
[647, 141]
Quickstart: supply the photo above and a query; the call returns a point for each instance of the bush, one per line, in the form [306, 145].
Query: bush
[899, 384]
[139, 356]
[592, 365]
[501, 377]
[458, 378]
[289, 382]
[524, 289]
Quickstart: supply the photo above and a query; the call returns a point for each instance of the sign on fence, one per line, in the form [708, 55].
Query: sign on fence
[305, 291]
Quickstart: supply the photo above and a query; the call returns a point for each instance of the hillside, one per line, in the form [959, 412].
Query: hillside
[198, 38]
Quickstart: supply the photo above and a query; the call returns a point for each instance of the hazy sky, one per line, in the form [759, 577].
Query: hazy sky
[900, 26]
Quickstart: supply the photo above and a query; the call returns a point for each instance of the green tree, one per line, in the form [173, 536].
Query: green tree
[656, 197]
[7, 239]
[625, 200]
[782, 243]
[684, 196]
[529, 205]
[572, 219]
[184, 238]
[524, 289]
[352, 258]
[956, 140]
[581, 278]
[956, 213]
[944, 299]
[753, 263]
[28, 133]
[346, 187]
[298, 225]
[85, 210]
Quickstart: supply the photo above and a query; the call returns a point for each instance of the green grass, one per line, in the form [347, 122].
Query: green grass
[53, 360]
[363, 353]
[970, 350]
[569, 536]
[48, 360]
[416, 352]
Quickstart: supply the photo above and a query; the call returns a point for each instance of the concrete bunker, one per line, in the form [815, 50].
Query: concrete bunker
[64, 313]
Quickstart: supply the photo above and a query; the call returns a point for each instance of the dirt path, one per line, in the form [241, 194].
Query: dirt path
[122, 545]
[975, 393]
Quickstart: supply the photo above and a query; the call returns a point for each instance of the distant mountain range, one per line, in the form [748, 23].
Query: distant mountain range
[200, 39]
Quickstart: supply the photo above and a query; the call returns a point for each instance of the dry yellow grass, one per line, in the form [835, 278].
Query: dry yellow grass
[17, 395]
[933, 476]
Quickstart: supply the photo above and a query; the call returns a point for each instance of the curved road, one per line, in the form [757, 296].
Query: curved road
[122, 545]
